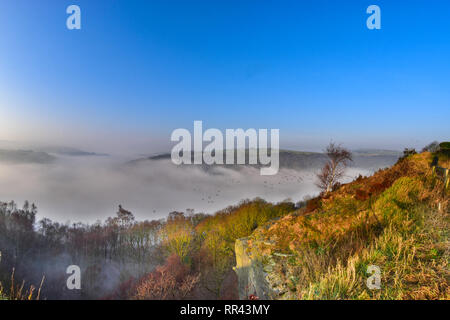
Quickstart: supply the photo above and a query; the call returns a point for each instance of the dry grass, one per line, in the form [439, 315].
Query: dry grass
[18, 291]
[414, 265]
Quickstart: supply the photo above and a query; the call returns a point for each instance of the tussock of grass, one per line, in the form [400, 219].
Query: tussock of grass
[18, 291]
[2, 294]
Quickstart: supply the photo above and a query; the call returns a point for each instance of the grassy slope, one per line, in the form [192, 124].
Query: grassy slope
[389, 220]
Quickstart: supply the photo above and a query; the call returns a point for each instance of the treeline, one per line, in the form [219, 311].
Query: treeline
[186, 255]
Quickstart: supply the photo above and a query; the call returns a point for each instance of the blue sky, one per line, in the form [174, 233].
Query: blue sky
[137, 70]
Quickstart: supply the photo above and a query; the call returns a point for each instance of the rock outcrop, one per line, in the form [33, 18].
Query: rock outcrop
[256, 273]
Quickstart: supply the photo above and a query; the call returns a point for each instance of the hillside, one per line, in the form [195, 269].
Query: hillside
[299, 160]
[390, 220]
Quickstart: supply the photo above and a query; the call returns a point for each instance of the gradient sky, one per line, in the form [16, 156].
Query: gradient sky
[140, 69]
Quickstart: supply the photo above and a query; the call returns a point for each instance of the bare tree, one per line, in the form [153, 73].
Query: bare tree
[432, 147]
[334, 168]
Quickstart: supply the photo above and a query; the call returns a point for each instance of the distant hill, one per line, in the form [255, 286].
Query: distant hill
[300, 160]
[378, 152]
[50, 149]
[68, 151]
[25, 156]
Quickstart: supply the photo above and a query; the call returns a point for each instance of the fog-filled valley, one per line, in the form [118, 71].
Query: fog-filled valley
[80, 187]
[136, 224]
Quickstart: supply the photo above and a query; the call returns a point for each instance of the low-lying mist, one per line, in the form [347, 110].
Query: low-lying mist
[87, 189]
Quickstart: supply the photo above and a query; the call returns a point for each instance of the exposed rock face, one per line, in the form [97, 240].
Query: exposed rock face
[256, 274]
[251, 277]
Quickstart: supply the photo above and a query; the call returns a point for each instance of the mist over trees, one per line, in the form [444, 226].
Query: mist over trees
[186, 255]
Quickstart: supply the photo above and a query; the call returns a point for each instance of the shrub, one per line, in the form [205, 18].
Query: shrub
[312, 205]
[407, 152]
[361, 195]
[445, 148]
[171, 281]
